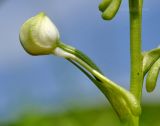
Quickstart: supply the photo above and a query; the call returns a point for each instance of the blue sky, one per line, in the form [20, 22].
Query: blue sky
[27, 81]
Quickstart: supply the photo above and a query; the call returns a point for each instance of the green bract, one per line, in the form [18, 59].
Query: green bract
[152, 76]
[38, 35]
[149, 58]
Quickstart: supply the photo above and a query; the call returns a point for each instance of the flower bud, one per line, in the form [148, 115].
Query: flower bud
[109, 8]
[38, 35]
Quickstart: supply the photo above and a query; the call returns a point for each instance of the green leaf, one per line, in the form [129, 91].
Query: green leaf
[152, 76]
[123, 102]
[109, 8]
[149, 58]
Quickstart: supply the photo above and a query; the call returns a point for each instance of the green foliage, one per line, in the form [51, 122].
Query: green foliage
[101, 116]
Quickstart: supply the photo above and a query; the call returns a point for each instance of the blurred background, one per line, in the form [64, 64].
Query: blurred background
[49, 91]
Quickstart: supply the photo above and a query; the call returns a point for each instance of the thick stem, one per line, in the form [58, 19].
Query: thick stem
[134, 122]
[135, 48]
[136, 56]
[136, 80]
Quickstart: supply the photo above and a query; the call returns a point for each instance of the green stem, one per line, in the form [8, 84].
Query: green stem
[135, 48]
[135, 121]
[136, 80]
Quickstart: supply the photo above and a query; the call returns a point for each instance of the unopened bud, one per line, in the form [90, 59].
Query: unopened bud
[38, 35]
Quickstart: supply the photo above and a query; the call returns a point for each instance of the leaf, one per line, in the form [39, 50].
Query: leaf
[109, 8]
[149, 58]
[123, 102]
[153, 76]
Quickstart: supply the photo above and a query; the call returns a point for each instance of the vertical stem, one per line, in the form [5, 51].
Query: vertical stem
[135, 47]
[134, 121]
[136, 77]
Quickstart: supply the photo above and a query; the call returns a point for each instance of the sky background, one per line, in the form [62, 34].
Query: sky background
[51, 83]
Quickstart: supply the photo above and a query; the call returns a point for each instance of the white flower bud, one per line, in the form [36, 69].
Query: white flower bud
[38, 35]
